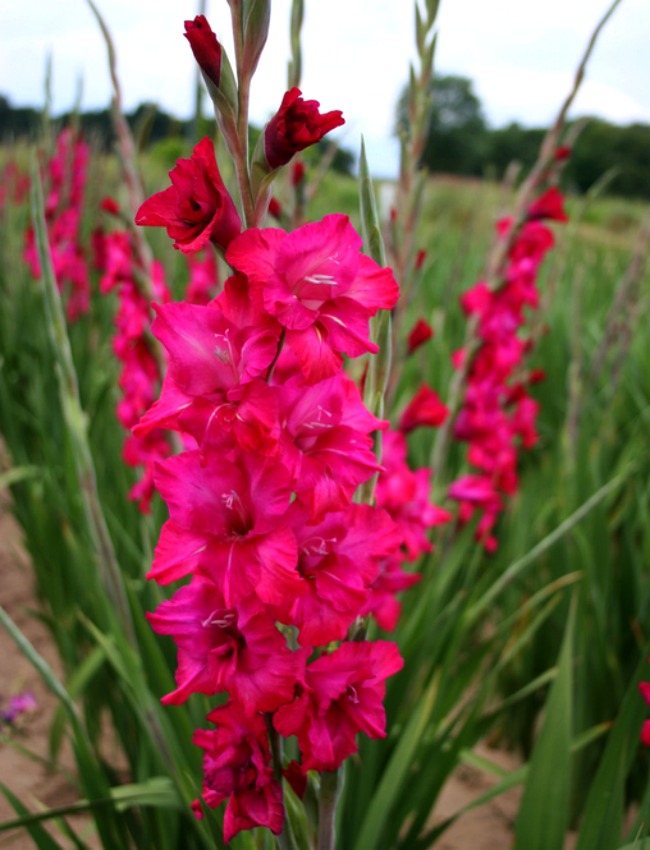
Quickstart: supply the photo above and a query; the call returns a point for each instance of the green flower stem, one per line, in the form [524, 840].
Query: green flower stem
[379, 365]
[295, 63]
[330, 786]
[75, 419]
[240, 155]
[127, 153]
[412, 178]
[285, 840]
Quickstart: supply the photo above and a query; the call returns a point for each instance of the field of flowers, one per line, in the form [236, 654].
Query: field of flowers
[325, 484]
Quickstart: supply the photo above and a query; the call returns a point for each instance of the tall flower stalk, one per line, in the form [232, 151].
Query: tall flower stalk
[282, 560]
[537, 199]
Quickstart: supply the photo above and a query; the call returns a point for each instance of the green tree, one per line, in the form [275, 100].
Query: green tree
[457, 132]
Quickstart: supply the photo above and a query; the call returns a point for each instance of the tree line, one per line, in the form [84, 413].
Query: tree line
[459, 140]
[149, 124]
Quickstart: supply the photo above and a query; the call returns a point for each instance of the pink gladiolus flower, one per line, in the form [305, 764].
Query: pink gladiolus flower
[338, 558]
[326, 440]
[342, 695]
[424, 409]
[211, 390]
[237, 768]
[382, 602]
[226, 522]
[295, 126]
[238, 650]
[196, 208]
[404, 494]
[140, 377]
[319, 286]
[204, 277]
[498, 416]
[67, 173]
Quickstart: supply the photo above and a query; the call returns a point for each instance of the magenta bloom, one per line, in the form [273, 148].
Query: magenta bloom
[238, 650]
[319, 286]
[237, 768]
[212, 388]
[342, 695]
[196, 208]
[326, 440]
[205, 47]
[404, 493]
[296, 125]
[338, 558]
[227, 521]
[383, 603]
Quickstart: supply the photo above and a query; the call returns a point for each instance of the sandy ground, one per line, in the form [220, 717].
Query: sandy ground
[487, 828]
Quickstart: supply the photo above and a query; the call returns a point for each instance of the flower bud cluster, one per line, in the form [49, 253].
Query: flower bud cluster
[139, 382]
[281, 561]
[66, 175]
[498, 415]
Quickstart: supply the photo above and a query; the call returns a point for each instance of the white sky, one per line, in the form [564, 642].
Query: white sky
[521, 54]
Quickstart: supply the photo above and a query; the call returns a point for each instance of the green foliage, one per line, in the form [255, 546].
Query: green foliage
[482, 634]
[457, 132]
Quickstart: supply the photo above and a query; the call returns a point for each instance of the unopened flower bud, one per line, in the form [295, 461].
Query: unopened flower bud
[296, 125]
[297, 173]
[205, 47]
[419, 334]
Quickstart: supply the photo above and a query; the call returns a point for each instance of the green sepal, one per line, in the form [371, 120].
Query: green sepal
[257, 17]
[225, 100]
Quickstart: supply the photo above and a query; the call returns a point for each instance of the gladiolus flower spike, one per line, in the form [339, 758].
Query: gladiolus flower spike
[262, 524]
[498, 415]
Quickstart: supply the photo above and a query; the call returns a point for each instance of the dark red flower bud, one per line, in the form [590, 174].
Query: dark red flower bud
[420, 333]
[425, 408]
[297, 174]
[296, 125]
[563, 152]
[419, 259]
[110, 205]
[275, 208]
[205, 47]
[549, 205]
[296, 777]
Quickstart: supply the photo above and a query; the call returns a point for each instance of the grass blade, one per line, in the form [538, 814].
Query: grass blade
[543, 827]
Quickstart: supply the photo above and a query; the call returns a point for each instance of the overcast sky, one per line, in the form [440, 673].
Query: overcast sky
[521, 54]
